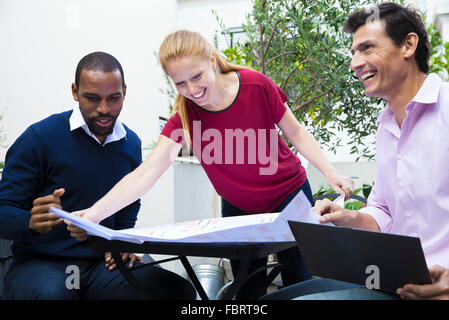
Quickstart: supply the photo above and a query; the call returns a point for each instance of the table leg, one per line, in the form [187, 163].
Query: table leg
[277, 268]
[243, 276]
[126, 273]
[239, 280]
[261, 289]
[193, 278]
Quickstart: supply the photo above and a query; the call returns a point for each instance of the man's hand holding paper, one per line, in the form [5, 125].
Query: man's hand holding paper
[42, 221]
[331, 212]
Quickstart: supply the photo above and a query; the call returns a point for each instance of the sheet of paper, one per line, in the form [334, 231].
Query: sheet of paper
[340, 201]
[94, 228]
[299, 209]
[268, 227]
[214, 229]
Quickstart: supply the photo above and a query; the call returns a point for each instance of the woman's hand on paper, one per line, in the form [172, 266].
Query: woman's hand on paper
[75, 232]
[341, 184]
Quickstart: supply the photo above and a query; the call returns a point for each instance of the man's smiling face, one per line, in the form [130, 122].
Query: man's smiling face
[377, 60]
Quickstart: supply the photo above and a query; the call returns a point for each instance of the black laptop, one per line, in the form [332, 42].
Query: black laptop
[357, 256]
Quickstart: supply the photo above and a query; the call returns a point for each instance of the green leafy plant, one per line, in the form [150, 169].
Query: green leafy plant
[301, 45]
[350, 204]
[439, 54]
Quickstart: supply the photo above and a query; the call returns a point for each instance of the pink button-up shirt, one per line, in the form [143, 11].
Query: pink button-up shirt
[411, 190]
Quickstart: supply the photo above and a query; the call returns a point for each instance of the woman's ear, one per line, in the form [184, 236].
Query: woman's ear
[214, 61]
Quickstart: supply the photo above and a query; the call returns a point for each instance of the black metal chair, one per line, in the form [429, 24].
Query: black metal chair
[5, 260]
[332, 196]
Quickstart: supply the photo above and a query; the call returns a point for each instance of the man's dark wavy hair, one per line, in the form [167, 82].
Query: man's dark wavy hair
[399, 22]
[98, 61]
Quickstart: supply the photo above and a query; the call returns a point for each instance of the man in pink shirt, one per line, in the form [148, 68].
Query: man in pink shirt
[411, 192]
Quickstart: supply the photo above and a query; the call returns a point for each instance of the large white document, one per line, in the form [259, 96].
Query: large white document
[267, 227]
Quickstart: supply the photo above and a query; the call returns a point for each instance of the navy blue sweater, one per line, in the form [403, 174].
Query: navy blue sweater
[48, 156]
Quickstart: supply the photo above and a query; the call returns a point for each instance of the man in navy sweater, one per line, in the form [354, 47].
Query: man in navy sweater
[70, 160]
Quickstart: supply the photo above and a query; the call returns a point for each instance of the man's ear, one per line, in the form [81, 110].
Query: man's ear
[75, 92]
[124, 91]
[410, 44]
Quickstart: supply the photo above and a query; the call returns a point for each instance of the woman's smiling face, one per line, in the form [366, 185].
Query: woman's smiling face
[194, 78]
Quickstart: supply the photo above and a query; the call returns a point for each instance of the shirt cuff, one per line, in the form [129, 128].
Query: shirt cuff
[382, 219]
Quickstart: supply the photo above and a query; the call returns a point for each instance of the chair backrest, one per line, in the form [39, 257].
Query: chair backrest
[5, 260]
[5, 248]
[336, 195]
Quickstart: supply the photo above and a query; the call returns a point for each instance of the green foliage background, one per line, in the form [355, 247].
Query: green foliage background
[301, 46]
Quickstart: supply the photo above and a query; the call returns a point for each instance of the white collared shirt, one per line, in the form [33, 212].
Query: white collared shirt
[77, 120]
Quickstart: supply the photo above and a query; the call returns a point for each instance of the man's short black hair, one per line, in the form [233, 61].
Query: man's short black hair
[98, 61]
[399, 22]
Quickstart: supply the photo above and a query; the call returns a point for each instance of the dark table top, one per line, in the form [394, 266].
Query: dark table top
[231, 250]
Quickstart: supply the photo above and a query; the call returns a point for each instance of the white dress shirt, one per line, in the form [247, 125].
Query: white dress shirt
[77, 120]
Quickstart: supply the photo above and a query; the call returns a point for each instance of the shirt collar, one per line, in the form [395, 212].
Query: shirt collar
[77, 121]
[430, 90]
[427, 94]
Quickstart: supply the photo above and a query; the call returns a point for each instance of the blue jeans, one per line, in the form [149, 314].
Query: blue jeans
[44, 278]
[328, 289]
[295, 271]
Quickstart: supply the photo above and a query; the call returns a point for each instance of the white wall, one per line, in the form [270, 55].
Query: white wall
[360, 172]
[197, 15]
[42, 42]
[438, 13]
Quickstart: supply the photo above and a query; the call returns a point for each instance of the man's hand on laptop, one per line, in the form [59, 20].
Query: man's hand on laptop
[331, 212]
[438, 290]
